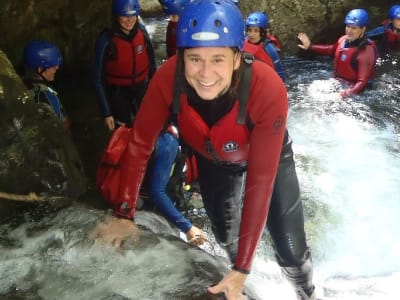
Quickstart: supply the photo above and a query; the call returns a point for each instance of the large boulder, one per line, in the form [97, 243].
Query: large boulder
[36, 154]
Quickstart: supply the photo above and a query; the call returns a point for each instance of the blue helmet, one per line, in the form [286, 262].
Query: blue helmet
[172, 7]
[125, 8]
[394, 12]
[357, 17]
[210, 23]
[257, 19]
[43, 54]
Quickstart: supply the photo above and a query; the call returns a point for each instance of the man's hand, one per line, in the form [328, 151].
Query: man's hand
[231, 285]
[196, 236]
[109, 122]
[305, 41]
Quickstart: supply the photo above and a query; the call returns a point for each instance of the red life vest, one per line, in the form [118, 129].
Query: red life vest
[131, 62]
[345, 59]
[258, 52]
[226, 141]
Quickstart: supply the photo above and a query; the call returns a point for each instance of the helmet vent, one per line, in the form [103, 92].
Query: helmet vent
[193, 23]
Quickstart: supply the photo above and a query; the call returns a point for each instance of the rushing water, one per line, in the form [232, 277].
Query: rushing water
[348, 158]
[348, 161]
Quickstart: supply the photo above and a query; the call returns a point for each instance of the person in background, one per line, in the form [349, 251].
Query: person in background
[354, 54]
[123, 65]
[232, 113]
[387, 35]
[172, 8]
[42, 60]
[261, 44]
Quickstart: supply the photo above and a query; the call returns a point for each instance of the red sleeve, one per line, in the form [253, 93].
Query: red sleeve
[267, 107]
[147, 126]
[366, 69]
[324, 49]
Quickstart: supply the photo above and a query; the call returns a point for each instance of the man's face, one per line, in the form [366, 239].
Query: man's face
[209, 70]
[354, 32]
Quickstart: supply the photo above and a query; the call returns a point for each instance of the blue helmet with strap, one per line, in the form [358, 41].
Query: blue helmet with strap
[172, 7]
[257, 19]
[41, 53]
[210, 23]
[357, 17]
[394, 12]
[125, 8]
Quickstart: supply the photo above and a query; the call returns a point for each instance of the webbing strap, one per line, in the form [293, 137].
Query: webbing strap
[244, 88]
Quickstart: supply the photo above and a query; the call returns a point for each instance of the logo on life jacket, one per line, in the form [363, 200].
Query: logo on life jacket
[343, 57]
[278, 123]
[140, 49]
[230, 146]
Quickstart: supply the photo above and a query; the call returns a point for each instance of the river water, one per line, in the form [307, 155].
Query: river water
[347, 154]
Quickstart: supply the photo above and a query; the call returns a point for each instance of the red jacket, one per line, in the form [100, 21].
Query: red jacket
[344, 60]
[267, 108]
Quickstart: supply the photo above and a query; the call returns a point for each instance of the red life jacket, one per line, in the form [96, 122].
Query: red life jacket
[223, 142]
[345, 61]
[258, 52]
[131, 62]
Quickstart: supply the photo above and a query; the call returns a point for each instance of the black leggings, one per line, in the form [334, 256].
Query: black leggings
[222, 189]
[125, 101]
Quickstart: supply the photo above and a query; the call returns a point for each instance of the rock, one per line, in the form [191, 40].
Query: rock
[36, 154]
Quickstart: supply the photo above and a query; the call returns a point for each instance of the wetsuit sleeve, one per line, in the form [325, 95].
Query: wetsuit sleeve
[268, 106]
[150, 120]
[163, 159]
[272, 51]
[324, 49]
[102, 44]
[366, 66]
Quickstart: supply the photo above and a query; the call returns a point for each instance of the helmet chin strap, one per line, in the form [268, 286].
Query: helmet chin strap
[40, 73]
